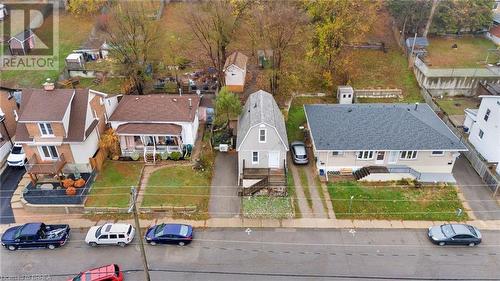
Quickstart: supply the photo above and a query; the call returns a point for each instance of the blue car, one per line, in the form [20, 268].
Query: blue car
[180, 234]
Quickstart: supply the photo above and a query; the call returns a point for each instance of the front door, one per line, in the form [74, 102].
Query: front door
[274, 159]
[380, 157]
[393, 157]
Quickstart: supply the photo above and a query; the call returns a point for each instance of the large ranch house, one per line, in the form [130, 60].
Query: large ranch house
[155, 124]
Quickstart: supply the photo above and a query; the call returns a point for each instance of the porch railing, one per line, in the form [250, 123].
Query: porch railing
[46, 167]
[406, 170]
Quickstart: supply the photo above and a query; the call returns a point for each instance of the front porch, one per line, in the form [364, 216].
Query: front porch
[36, 166]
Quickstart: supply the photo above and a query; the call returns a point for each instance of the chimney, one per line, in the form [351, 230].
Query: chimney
[416, 105]
[48, 85]
[190, 103]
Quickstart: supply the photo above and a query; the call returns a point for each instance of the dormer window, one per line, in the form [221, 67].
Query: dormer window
[487, 115]
[46, 129]
[262, 135]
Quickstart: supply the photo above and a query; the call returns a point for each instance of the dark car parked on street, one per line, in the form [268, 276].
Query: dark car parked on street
[454, 234]
[36, 235]
[180, 234]
[299, 152]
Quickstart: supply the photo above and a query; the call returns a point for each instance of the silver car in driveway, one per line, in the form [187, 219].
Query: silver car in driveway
[299, 154]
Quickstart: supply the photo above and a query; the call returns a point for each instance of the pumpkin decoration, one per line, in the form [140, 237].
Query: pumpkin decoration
[79, 183]
[68, 182]
[71, 191]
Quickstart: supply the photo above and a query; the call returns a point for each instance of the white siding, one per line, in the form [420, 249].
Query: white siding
[86, 149]
[65, 120]
[235, 76]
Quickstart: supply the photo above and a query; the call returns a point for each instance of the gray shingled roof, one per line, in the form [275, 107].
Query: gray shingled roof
[261, 108]
[378, 127]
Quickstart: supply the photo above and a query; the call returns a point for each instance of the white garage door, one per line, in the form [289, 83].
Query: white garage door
[274, 159]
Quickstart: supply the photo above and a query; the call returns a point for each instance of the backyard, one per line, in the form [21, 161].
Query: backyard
[112, 185]
[457, 105]
[471, 52]
[179, 186]
[111, 85]
[394, 200]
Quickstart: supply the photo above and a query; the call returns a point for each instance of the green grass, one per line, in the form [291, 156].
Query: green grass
[110, 86]
[319, 188]
[406, 203]
[375, 69]
[456, 105]
[178, 186]
[296, 116]
[267, 207]
[112, 186]
[305, 186]
[293, 195]
[471, 52]
[73, 32]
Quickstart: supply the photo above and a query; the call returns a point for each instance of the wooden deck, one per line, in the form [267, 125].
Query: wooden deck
[47, 168]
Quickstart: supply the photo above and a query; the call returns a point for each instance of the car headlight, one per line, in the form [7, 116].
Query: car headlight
[148, 238]
[434, 238]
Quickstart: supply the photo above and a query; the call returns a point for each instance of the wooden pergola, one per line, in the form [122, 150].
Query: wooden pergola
[35, 167]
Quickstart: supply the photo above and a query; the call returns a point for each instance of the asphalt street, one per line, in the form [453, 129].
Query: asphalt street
[271, 254]
[8, 184]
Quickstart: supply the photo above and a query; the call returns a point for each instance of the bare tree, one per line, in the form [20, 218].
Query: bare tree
[132, 35]
[280, 24]
[429, 20]
[214, 24]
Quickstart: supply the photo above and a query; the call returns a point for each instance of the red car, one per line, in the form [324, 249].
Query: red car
[109, 272]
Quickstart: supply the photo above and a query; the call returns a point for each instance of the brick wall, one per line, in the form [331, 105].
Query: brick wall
[8, 108]
[34, 130]
[61, 149]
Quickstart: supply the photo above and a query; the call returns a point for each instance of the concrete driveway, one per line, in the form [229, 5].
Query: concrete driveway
[224, 200]
[475, 192]
[9, 180]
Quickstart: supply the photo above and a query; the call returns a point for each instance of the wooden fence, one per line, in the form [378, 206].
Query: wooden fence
[98, 160]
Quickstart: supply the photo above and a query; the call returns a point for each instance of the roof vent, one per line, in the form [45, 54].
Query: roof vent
[255, 105]
[136, 99]
[48, 85]
[174, 100]
[190, 103]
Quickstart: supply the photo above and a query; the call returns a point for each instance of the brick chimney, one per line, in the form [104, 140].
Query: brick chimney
[48, 85]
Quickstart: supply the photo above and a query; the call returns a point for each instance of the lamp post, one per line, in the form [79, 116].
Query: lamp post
[2, 119]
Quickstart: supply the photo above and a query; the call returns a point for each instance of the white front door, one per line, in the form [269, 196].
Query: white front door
[380, 157]
[393, 157]
[274, 159]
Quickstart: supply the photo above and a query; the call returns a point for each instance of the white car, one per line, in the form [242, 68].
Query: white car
[110, 234]
[17, 157]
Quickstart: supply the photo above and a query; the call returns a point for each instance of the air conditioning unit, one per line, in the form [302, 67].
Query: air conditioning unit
[223, 147]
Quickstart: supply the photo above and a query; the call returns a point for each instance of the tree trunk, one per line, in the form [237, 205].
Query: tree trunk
[431, 15]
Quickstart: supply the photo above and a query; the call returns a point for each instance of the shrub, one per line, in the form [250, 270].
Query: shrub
[135, 156]
[79, 183]
[71, 191]
[67, 183]
[164, 155]
[176, 155]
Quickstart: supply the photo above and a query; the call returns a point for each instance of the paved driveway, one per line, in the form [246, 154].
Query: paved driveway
[9, 180]
[224, 199]
[474, 190]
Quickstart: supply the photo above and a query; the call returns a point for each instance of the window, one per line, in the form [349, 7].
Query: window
[129, 230]
[336, 153]
[481, 134]
[410, 154]
[121, 236]
[49, 152]
[365, 155]
[46, 129]
[344, 96]
[255, 157]
[487, 115]
[15, 115]
[105, 236]
[113, 236]
[437, 153]
[262, 135]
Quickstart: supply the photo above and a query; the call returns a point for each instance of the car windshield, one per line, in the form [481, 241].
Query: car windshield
[299, 150]
[18, 232]
[472, 230]
[17, 150]
[98, 232]
[184, 230]
[159, 230]
[78, 278]
[447, 230]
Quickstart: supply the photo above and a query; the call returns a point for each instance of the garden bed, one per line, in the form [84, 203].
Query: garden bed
[268, 207]
[57, 196]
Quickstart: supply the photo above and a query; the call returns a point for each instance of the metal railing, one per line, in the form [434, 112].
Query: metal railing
[405, 170]
[46, 167]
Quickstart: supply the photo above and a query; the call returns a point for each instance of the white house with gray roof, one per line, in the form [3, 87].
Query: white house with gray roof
[261, 143]
[382, 141]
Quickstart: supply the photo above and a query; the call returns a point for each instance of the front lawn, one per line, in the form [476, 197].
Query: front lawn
[471, 52]
[178, 186]
[268, 207]
[391, 201]
[456, 105]
[112, 186]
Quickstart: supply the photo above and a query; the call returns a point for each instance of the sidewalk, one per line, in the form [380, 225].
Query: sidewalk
[288, 223]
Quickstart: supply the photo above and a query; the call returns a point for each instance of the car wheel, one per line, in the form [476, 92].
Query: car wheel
[472, 244]
[181, 243]
[152, 243]
[121, 244]
[93, 244]
[441, 244]
[12, 248]
[51, 246]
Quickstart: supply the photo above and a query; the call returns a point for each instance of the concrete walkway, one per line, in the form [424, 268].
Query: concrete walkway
[224, 200]
[477, 196]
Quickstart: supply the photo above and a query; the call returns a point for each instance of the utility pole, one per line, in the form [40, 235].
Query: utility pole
[429, 20]
[132, 208]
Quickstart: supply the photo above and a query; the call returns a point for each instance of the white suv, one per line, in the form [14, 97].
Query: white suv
[110, 234]
[17, 157]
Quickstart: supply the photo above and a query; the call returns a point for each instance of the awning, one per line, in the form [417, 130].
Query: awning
[149, 129]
